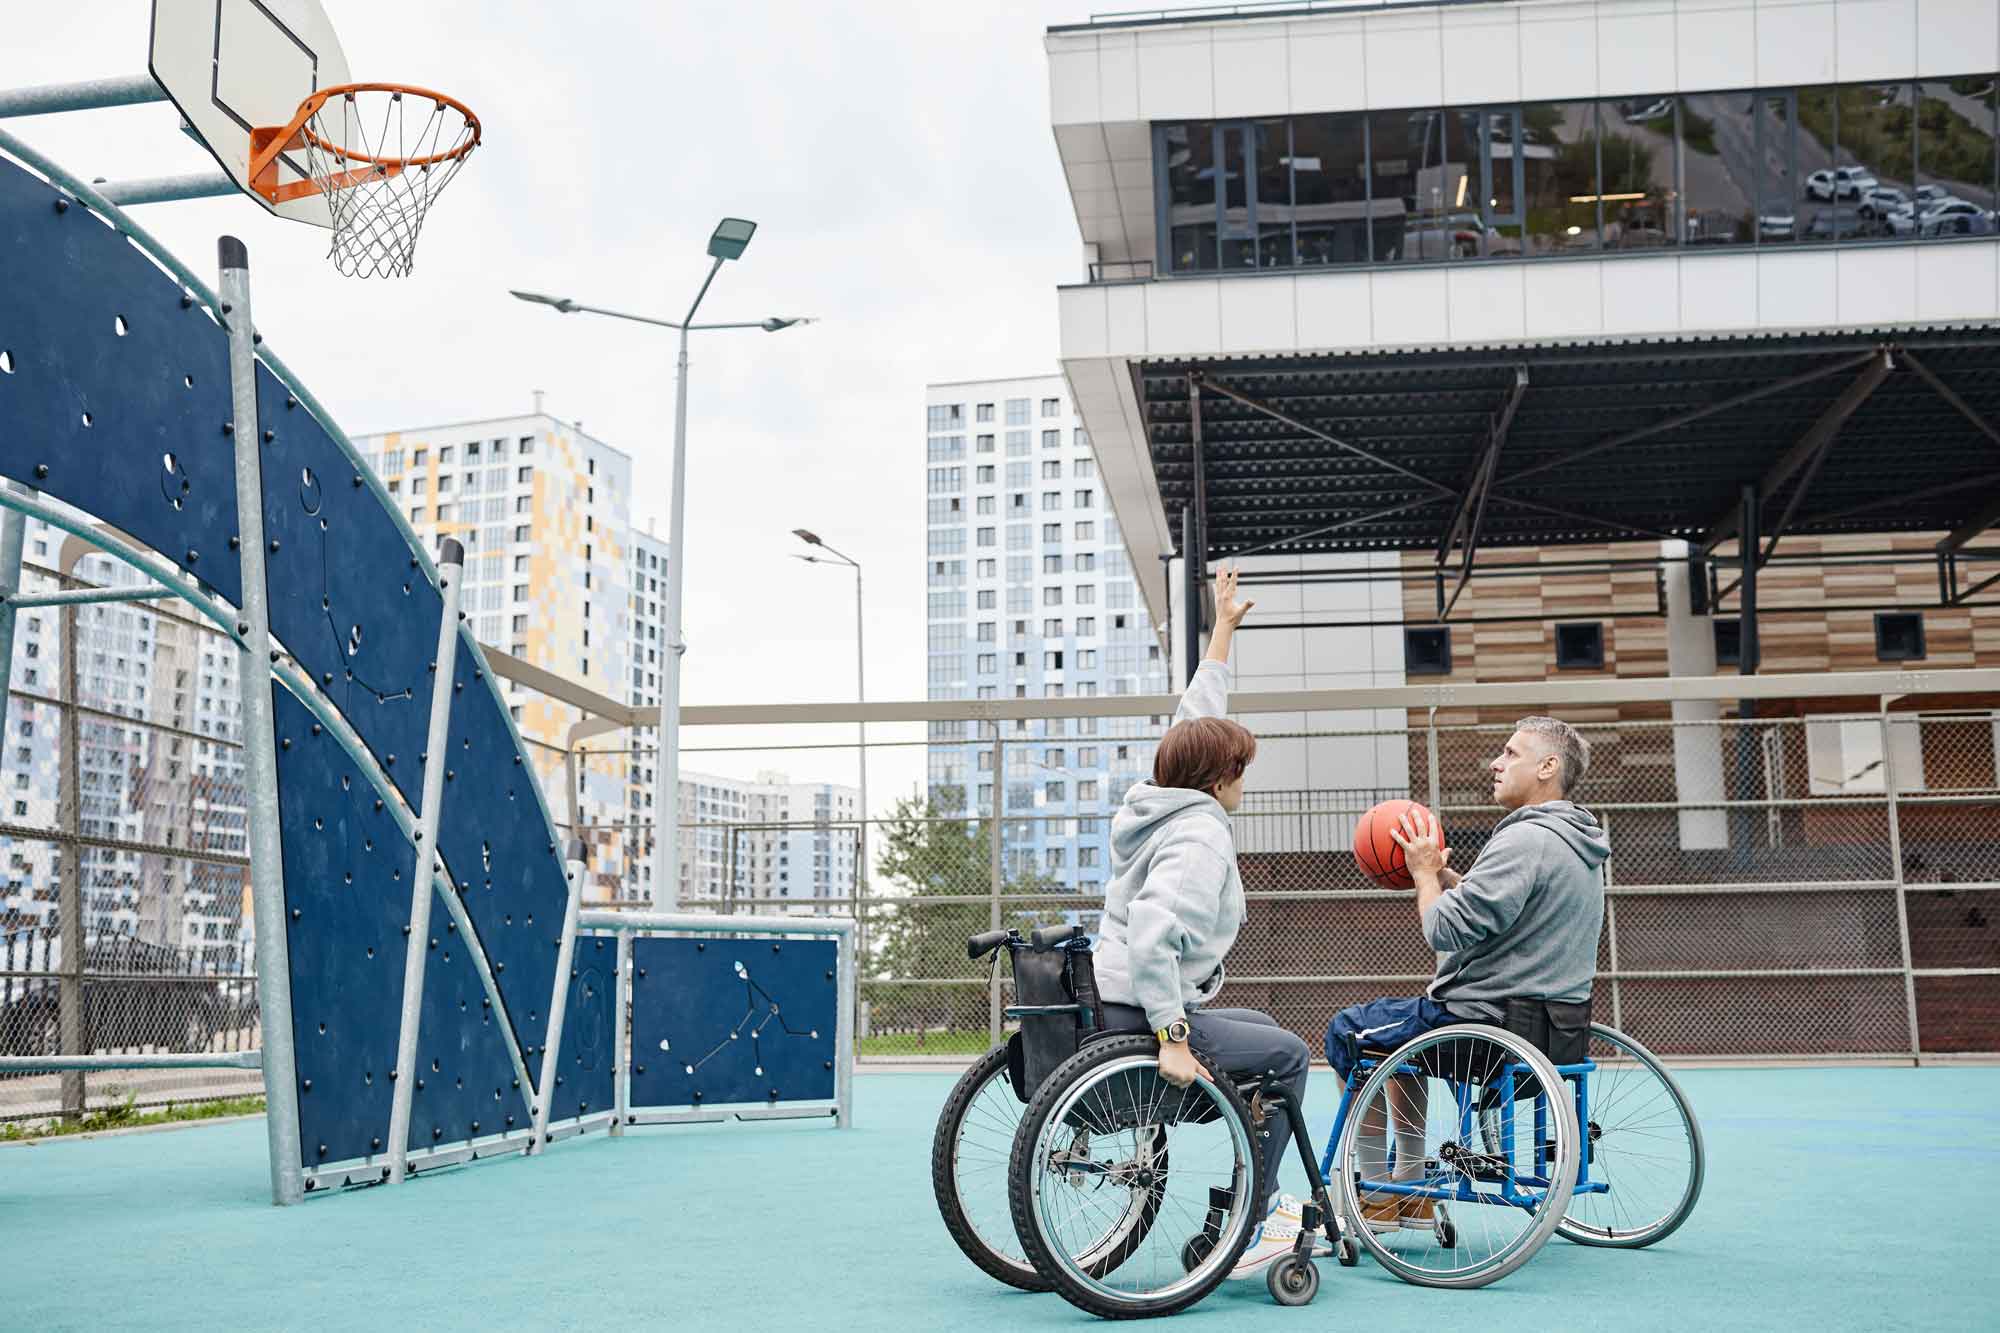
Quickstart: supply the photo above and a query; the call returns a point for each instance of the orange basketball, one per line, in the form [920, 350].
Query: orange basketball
[1379, 855]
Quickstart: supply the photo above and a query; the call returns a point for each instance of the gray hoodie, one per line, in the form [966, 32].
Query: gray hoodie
[1175, 901]
[1523, 922]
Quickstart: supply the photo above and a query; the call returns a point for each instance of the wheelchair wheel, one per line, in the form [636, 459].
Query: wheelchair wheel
[969, 1171]
[1644, 1149]
[1435, 1117]
[1096, 1208]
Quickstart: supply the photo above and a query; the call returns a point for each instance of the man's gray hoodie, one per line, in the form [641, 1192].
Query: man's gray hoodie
[1524, 920]
[1175, 902]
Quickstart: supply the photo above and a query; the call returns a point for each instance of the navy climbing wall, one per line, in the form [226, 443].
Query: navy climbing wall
[718, 1021]
[125, 425]
[347, 895]
[114, 397]
[583, 1073]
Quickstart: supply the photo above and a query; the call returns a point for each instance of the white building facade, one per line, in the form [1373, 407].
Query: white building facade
[1031, 595]
[1428, 177]
[771, 841]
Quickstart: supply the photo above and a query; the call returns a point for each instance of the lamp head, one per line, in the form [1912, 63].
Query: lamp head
[731, 238]
[561, 303]
[776, 322]
[810, 539]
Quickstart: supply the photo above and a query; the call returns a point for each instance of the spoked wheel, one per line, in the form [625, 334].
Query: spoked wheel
[969, 1171]
[1644, 1148]
[1098, 1212]
[1435, 1128]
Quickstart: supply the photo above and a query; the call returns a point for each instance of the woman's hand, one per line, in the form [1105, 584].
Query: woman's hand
[1178, 1065]
[1229, 612]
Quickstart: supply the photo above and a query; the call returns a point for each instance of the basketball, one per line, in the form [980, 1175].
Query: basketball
[1379, 855]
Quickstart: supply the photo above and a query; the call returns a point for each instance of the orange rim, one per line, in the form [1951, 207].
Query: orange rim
[267, 142]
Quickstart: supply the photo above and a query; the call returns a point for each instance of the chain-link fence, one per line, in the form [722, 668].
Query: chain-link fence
[1817, 885]
[124, 925]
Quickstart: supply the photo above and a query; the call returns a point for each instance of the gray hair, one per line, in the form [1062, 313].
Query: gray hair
[1566, 743]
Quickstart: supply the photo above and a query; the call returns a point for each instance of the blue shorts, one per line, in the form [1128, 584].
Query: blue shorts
[1381, 1025]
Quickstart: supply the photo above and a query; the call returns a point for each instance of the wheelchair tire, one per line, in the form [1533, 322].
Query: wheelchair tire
[993, 1248]
[1465, 1158]
[1062, 1108]
[1658, 1121]
[1292, 1279]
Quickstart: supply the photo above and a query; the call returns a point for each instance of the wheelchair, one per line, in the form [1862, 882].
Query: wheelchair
[1460, 1153]
[1453, 1158]
[1126, 1195]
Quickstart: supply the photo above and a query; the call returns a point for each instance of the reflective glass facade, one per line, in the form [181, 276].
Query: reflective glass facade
[1842, 163]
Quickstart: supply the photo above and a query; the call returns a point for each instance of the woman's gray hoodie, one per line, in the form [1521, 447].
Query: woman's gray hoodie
[1175, 901]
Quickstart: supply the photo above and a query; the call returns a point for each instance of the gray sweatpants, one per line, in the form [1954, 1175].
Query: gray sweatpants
[1242, 1042]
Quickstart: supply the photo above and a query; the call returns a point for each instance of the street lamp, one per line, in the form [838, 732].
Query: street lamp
[731, 237]
[833, 557]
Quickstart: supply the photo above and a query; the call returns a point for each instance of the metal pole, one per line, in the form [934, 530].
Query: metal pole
[666, 785]
[545, 1086]
[69, 887]
[87, 95]
[260, 743]
[1191, 572]
[13, 533]
[168, 189]
[996, 877]
[861, 833]
[1892, 792]
[437, 749]
[621, 1061]
[849, 947]
[1431, 745]
[1611, 934]
[10, 601]
[1748, 535]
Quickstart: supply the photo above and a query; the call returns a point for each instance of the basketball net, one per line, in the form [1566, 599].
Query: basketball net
[380, 154]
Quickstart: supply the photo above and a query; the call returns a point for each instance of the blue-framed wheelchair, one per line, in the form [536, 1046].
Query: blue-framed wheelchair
[1460, 1153]
[1064, 1162]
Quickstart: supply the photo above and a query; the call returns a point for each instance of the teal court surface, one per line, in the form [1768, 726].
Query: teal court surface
[1836, 1198]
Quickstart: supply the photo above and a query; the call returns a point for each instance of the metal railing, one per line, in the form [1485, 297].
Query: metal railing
[1805, 885]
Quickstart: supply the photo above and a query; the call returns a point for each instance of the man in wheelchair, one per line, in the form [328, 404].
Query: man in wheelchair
[1520, 925]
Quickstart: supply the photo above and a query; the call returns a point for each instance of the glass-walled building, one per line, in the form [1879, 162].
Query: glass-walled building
[1831, 163]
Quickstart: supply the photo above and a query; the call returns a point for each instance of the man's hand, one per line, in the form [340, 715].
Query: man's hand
[1229, 612]
[1178, 1065]
[1419, 837]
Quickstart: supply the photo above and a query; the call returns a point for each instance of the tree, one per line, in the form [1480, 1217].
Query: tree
[927, 856]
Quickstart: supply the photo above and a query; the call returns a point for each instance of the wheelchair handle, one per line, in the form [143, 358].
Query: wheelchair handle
[980, 945]
[1045, 938]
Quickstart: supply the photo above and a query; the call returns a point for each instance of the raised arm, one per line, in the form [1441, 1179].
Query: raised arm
[1207, 694]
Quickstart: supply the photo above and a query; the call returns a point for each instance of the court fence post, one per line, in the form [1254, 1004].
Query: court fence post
[69, 879]
[1611, 928]
[13, 534]
[621, 1063]
[1431, 745]
[995, 879]
[260, 741]
[437, 753]
[545, 1086]
[1891, 797]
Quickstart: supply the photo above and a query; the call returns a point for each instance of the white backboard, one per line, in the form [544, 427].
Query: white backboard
[235, 65]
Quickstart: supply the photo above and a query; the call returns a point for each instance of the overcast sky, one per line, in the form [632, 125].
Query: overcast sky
[898, 160]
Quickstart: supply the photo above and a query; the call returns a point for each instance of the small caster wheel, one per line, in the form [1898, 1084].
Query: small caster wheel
[1195, 1253]
[1293, 1280]
[1349, 1253]
[1447, 1230]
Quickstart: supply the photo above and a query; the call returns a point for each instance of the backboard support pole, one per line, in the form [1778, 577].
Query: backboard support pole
[89, 95]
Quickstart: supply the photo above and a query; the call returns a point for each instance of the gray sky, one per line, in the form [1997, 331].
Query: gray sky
[899, 161]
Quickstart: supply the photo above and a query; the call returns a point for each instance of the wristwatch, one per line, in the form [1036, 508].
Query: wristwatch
[1174, 1031]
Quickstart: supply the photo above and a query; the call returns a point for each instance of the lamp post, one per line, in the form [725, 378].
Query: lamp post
[731, 237]
[833, 557]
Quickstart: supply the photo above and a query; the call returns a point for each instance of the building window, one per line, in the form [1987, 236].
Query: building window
[1580, 646]
[1728, 642]
[1051, 629]
[985, 412]
[1051, 407]
[1051, 499]
[1899, 636]
[1017, 411]
[526, 446]
[1084, 499]
[1051, 439]
[1427, 650]
[983, 475]
[1051, 564]
[1086, 530]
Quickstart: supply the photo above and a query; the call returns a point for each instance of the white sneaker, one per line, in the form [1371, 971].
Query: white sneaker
[1274, 1237]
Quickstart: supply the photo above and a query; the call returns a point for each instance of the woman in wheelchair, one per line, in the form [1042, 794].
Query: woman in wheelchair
[1173, 909]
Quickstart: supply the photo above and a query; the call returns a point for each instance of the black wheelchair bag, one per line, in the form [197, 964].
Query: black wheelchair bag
[1055, 997]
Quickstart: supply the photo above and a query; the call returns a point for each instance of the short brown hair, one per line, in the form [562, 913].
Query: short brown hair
[1202, 753]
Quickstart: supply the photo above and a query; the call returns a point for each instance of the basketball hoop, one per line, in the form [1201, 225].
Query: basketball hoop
[379, 154]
